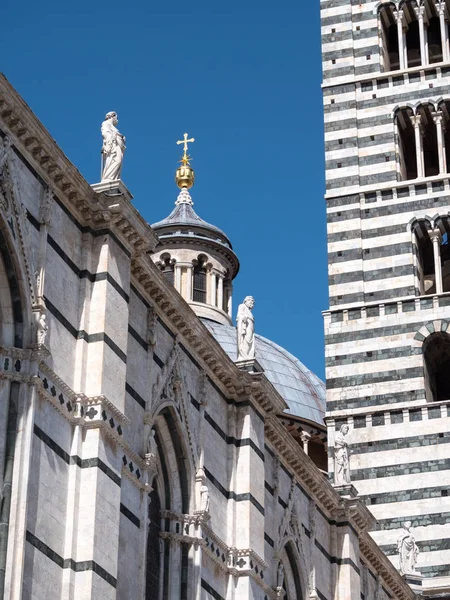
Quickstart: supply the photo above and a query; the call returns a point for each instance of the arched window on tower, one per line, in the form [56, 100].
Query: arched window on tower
[424, 257]
[199, 283]
[167, 266]
[390, 59]
[433, 34]
[444, 123]
[436, 354]
[432, 250]
[407, 158]
[429, 146]
[411, 36]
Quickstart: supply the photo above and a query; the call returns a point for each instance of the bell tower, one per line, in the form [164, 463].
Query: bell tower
[386, 95]
[195, 256]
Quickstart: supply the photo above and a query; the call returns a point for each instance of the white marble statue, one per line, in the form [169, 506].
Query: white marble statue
[246, 330]
[113, 148]
[408, 550]
[204, 498]
[42, 329]
[341, 458]
[152, 448]
[280, 575]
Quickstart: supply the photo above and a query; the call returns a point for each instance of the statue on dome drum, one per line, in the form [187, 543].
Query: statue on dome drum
[246, 330]
[341, 458]
[407, 550]
[113, 148]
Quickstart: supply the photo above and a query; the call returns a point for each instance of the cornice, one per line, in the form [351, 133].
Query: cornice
[380, 563]
[34, 142]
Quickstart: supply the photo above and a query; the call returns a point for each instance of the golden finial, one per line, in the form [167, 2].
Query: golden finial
[185, 175]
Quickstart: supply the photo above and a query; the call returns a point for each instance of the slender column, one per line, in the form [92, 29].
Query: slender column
[178, 278]
[213, 288]
[435, 236]
[189, 274]
[423, 45]
[401, 45]
[416, 119]
[440, 7]
[220, 292]
[438, 121]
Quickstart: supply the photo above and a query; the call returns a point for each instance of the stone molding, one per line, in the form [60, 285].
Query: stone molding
[90, 412]
[239, 562]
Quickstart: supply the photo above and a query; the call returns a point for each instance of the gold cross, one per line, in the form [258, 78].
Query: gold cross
[185, 142]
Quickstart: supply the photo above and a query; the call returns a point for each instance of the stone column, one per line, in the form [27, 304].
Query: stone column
[189, 275]
[416, 120]
[213, 288]
[401, 45]
[423, 43]
[438, 121]
[435, 236]
[177, 269]
[440, 7]
[230, 300]
[220, 292]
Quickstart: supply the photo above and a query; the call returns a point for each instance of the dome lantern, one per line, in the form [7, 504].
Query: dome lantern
[194, 255]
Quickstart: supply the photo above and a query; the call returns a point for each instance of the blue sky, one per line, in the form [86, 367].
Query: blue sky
[243, 78]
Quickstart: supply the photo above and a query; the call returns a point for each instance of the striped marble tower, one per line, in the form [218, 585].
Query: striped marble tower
[386, 88]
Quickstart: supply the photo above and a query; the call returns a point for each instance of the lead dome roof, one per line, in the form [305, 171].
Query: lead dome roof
[186, 220]
[302, 390]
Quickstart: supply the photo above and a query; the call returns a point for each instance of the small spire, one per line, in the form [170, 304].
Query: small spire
[185, 175]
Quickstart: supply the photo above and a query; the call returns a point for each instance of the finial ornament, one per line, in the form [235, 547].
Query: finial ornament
[185, 175]
[185, 158]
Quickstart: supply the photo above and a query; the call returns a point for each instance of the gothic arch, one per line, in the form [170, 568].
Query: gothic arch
[294, 583]
[171, 495]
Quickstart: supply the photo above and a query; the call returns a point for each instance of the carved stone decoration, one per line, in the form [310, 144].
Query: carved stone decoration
[46, 207]
[280, 575]
[151, 326]
[407, 550]
[113, 148]
[204, 502]
[41, 329]
[13, 212]
[151, 448]
[171, 388]
[341, 457]
[246, 330]
[5, 149]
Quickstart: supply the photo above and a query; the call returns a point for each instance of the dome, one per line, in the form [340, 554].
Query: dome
[303, 392]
